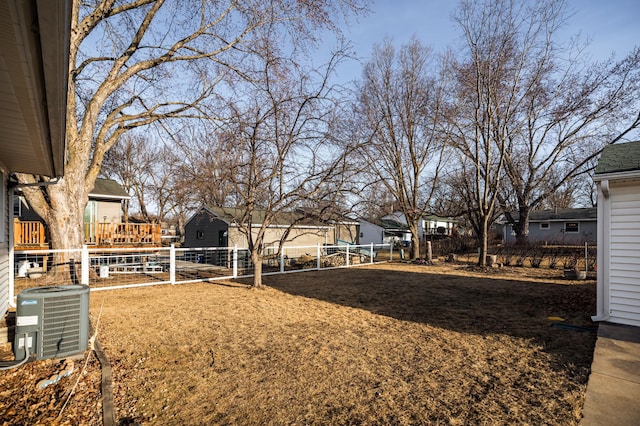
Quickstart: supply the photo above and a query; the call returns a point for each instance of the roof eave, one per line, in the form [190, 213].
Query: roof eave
[628, 174]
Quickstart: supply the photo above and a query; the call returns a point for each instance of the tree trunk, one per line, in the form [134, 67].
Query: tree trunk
[415, 239]
[521, 228]
[65, 233]
[484, 237]
[256, 258]
[415, 247]
[180, 229]
[62, 209]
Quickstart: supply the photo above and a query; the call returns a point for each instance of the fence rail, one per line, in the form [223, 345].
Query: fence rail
[114, 268]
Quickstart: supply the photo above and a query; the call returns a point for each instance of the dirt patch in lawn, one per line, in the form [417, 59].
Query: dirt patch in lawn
[385, 344]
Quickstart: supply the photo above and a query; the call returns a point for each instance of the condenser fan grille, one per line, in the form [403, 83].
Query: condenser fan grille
[60, 326]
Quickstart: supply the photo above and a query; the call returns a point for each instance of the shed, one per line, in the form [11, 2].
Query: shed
[218, 227]
[618, 180]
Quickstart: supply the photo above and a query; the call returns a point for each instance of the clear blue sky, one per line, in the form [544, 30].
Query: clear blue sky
[612, 25]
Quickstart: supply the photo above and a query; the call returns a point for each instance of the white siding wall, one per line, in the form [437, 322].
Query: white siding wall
[371, 233]
[112, 210]
[624, 252]
[4, 245]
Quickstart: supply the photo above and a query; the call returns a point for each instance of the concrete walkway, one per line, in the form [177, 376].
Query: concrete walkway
[613, 391]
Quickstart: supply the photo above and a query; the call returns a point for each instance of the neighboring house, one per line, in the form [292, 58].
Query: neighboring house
[34, 41]
[383, 231]
[218, 227]
[104, 206]
[430, 226]
[103, 224]
[559, 226]
[618, 179]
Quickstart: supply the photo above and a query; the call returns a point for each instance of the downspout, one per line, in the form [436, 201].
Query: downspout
[602, 273]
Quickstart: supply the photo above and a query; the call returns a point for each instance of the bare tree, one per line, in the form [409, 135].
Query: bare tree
[131, 162]
[208, 158]
[458, 194]
[551, 111]
[485, 99]
[564, 126]
[400, 107]
[137, 62]
[287, 156]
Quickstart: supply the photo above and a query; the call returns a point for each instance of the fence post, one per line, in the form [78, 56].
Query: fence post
[371, 253]
[586, 261]
[84, 264]
[390, 252]
[172, 264]
[347, 259]
[282, 260]
[318, 261]
[235, 261]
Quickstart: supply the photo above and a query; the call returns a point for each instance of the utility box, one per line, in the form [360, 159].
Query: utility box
[55, 320]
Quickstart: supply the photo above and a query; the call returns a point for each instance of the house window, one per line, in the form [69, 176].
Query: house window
[17, 206]
[545, 225]
[571, 227]
[200, 235]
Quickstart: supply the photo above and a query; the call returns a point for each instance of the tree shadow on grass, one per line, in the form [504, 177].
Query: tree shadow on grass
[465, 304]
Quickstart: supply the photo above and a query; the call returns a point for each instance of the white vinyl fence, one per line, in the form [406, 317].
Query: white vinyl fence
[104, 269]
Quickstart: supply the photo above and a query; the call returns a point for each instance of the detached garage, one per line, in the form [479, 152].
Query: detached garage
[618, 179]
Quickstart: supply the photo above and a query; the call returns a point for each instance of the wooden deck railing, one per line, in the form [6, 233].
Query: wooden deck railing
[31, 234]
[119, 234]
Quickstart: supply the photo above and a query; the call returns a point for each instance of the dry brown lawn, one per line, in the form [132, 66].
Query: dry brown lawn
[376, 345]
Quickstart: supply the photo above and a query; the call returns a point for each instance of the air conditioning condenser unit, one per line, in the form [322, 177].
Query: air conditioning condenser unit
[53, 321]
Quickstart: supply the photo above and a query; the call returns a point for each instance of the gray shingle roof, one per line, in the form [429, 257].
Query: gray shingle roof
[108, 188]
[389, 224]
[590, 213]
[619, 158]
[233, 215]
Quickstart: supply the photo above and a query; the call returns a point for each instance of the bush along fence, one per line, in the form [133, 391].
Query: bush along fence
[576, 258]
[104, 269]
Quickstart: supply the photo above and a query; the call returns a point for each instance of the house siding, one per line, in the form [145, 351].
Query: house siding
[209, 227]
[345, 232]
[203, 230]
[624, 252]
[298, 236]
[112, 210]
[556, 234]
[4, 245]
[371, 233]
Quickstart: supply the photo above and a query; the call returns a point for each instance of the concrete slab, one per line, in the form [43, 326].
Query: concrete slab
[613, 391]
